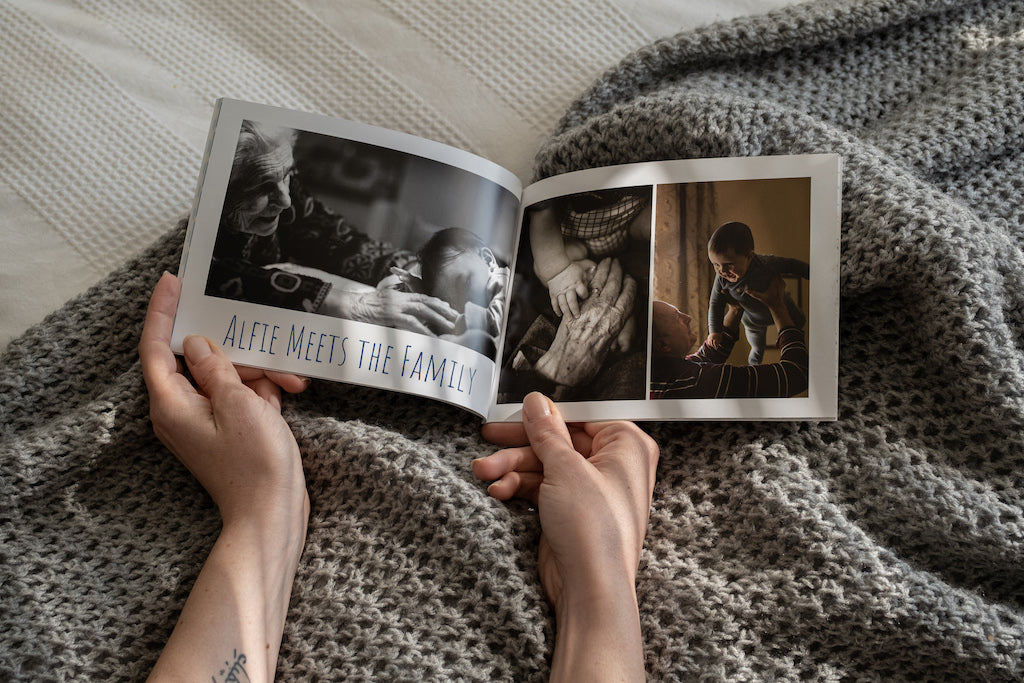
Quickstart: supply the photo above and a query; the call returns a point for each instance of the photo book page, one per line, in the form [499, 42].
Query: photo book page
[681, 326]
[666, 290]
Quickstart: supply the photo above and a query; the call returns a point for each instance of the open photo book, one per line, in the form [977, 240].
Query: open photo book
[697, 289]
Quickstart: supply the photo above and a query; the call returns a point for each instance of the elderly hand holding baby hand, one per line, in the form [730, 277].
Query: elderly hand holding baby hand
[582, 343]
[569, 287]
[391, 307]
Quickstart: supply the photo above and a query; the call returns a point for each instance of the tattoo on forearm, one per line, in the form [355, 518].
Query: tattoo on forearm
[231, 671]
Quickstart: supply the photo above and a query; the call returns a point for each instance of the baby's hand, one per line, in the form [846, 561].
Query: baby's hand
[461, 325]
[717, 340]
[567, 289]
[477, 318]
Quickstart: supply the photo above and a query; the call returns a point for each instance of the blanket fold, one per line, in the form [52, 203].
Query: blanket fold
[885, 546]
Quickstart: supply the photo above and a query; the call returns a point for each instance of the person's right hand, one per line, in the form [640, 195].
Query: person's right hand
[593, 486]
[594, 502]
[420, 313]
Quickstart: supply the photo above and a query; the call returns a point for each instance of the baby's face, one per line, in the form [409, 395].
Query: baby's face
[464, 280]
[730, 265]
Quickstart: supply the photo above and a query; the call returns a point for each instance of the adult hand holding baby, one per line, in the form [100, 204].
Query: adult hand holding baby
[389, 307]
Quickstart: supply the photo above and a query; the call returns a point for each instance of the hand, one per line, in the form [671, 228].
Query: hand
[568, 288]
[774, 297]
[731, 319]
[717, 340]
[478, 318]
[581, 344]
[593, 486]
[391, 308]
[229, 431]
[230, 434]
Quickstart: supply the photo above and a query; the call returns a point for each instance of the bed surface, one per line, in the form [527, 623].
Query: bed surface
[106, 105]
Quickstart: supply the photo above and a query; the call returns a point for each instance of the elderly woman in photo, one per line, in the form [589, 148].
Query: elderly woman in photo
[279, 246]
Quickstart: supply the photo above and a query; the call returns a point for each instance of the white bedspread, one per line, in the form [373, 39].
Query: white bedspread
[105, 105]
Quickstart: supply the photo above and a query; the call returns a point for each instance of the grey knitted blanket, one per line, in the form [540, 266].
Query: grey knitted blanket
[885, 546]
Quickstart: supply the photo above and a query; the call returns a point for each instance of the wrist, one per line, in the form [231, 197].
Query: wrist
[280, 511]
[598, 633]
[552, 267]
[272, 529]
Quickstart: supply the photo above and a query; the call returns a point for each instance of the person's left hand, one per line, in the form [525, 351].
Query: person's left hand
[591, 482]
[227, 430]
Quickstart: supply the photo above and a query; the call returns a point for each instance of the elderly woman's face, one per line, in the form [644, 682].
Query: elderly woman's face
[263, 192]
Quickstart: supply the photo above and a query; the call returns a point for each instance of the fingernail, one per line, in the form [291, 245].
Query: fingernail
[536, 405]
[196, 348]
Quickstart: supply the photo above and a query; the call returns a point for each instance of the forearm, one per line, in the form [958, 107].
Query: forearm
[598, 636]
[234, 615]
[547, 245]
[716, 309]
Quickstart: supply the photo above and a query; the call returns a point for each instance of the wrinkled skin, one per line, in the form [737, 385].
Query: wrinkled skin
[582, 343]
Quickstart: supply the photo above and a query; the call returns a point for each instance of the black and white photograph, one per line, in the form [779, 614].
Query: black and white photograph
[577, 322]
[342, 228]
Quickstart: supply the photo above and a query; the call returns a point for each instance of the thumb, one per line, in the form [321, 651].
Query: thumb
[547, 432]
[210, 368]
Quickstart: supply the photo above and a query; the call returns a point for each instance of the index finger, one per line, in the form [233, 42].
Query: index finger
[625, 299]
[513, 434]
[613, 283]
[505, 433]
[158, 362]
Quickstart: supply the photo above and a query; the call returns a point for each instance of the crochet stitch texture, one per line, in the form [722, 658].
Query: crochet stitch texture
[884, 546]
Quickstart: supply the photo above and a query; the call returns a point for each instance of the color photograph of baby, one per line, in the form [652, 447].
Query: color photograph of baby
[731, 289]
